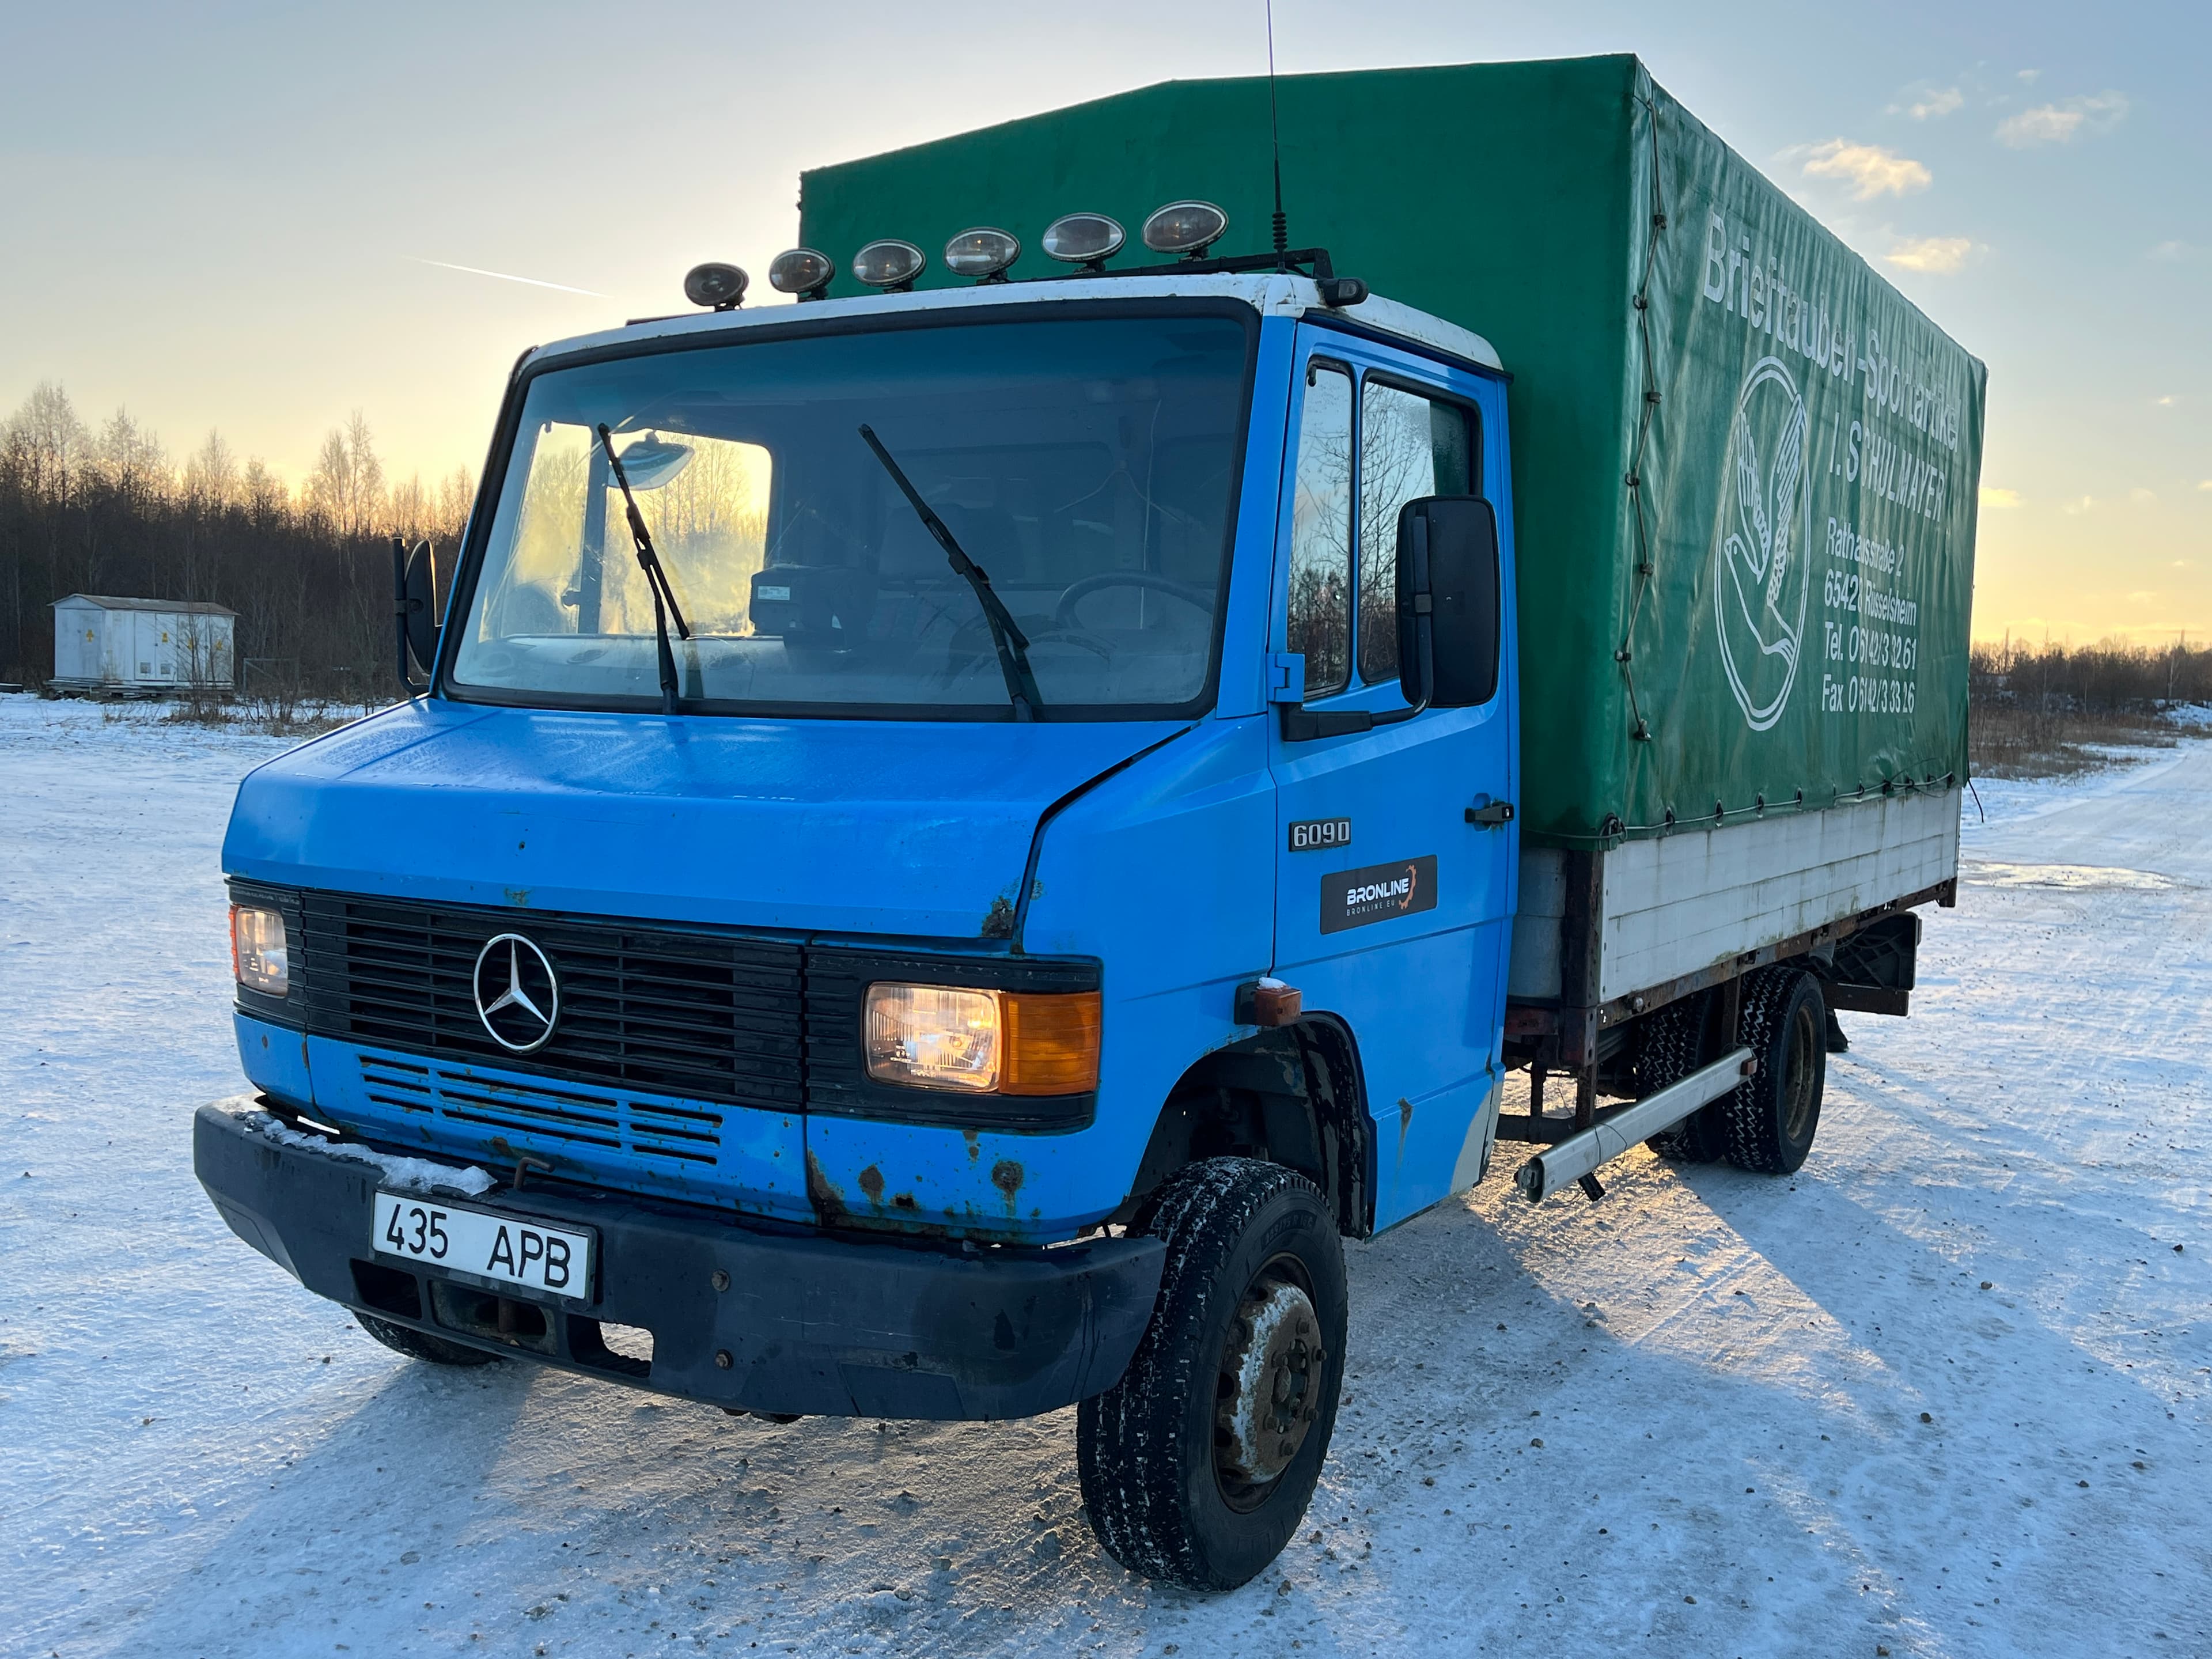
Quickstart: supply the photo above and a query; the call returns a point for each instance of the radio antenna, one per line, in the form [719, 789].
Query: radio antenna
[1275, 137]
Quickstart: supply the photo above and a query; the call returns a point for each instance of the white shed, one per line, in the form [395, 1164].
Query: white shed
[142, 645]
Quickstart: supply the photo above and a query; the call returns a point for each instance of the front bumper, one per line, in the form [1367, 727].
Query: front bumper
[809, 1322]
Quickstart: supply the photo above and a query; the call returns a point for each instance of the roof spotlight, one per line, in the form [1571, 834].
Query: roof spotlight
[889, 264]
[982, 253]
[1089, 239]
[720, 286]
[1185, 227]
[803, 271]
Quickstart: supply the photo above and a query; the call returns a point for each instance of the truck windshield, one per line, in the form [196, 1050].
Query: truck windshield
[1089, 466]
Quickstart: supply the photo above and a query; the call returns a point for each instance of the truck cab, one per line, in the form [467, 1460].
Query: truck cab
[1067, 808]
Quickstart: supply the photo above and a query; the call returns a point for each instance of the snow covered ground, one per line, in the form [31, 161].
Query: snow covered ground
[1946, 1393]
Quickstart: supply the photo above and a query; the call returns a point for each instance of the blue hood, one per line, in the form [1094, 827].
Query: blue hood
[865, 827]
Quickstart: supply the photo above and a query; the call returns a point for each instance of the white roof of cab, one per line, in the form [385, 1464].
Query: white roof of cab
[1270, 294]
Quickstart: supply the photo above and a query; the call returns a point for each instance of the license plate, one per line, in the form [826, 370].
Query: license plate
[526, 1253]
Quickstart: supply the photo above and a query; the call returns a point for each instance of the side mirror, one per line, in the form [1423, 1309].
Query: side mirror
[415, 611]
[1448, 619]
[1448, 601]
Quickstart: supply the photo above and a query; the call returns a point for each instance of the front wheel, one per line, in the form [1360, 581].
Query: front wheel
[1198, 1465]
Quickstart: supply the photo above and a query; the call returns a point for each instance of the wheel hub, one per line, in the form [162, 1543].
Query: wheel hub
[1271, 1375]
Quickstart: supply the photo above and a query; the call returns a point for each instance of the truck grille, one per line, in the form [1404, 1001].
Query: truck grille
[697, 1018]
[699, 1015]
[651, 1129]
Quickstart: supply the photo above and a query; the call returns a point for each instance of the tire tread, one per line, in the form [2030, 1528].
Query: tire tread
[1127, 1438]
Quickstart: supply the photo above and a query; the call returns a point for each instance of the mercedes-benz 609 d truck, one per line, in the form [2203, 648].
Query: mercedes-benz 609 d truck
[959, 835]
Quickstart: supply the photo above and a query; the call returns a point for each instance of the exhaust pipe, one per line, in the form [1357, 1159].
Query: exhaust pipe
[1577, 1157]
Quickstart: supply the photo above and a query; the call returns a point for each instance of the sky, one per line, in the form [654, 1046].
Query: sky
[249, 217]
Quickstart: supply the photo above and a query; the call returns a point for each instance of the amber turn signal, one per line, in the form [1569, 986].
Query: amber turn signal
[1052, 1043]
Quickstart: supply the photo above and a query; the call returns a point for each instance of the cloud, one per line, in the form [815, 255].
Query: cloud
[2031, 76]
[1869, 169]
[1999, 499]
[2205, 484]
[2063, 122]
[2167, 401]
[2172, 252]
[2082, 504]
[2141, 596]
[1938, 255]
[2143, 497]
[1927, 103]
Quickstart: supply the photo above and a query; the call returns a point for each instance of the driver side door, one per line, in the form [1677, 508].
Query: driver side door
[1393, 905]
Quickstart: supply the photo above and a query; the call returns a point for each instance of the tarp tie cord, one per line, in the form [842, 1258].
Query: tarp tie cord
[1612, 830]
[1645, 535]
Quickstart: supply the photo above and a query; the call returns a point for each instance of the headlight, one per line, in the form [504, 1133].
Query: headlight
[1007, 1042]
[259, 960]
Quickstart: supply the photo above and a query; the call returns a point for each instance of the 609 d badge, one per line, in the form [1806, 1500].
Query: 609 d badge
[1761, 549]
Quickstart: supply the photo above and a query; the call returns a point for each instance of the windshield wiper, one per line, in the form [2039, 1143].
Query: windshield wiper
[655, 578]
[1013, 645]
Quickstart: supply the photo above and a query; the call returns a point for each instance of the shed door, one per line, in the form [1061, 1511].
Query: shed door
[73, 629]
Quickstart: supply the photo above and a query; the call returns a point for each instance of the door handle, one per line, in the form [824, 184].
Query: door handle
[1491, 815]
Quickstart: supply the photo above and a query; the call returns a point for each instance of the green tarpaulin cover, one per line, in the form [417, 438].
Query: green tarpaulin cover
[1744, 467]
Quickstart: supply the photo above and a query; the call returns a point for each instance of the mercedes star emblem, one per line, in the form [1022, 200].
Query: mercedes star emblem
[517, 999]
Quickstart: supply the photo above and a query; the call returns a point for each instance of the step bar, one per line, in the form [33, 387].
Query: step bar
[1577, 1158]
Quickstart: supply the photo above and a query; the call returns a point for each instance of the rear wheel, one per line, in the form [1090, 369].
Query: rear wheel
[1675, 1046]
[1771, 1116]
[1198, 1465]
[421, 1345]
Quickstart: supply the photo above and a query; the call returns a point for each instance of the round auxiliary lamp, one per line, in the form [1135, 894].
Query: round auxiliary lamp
[889, 264]
[1187, 229]
[1088, 239]
[715, 285]
[983, 253]
[802, 272]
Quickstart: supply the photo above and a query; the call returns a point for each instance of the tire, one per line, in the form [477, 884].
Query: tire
[1675, 1046]
[420, 1345]
[1771, 1117]
[1179, 1484]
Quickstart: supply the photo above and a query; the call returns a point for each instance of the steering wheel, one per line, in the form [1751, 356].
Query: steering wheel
[1063, 615]
[989, 657]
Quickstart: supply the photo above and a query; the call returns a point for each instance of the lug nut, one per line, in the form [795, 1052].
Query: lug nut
[722, 1360]
[720, 1280]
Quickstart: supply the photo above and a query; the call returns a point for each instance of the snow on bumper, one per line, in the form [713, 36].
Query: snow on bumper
[802, 1321]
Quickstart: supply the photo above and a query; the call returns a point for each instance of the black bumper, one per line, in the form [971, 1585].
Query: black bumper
[809, 1323]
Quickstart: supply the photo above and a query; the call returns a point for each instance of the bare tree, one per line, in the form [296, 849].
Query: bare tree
[211, 475]
[346, 486]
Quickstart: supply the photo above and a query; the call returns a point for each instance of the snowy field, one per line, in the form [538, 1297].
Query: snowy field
[1944, 1393]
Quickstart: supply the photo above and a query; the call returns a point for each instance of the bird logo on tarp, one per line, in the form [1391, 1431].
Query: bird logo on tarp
[1761, 570]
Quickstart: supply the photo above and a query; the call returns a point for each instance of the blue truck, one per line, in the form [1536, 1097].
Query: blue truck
[955, 839]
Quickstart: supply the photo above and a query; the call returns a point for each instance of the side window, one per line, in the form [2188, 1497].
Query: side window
[1409, 447]
[1321, 533]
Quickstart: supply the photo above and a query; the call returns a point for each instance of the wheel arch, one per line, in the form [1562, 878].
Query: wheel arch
[1291, 1096]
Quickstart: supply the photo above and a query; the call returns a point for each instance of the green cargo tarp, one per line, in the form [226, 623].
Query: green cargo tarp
[1745, 466]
